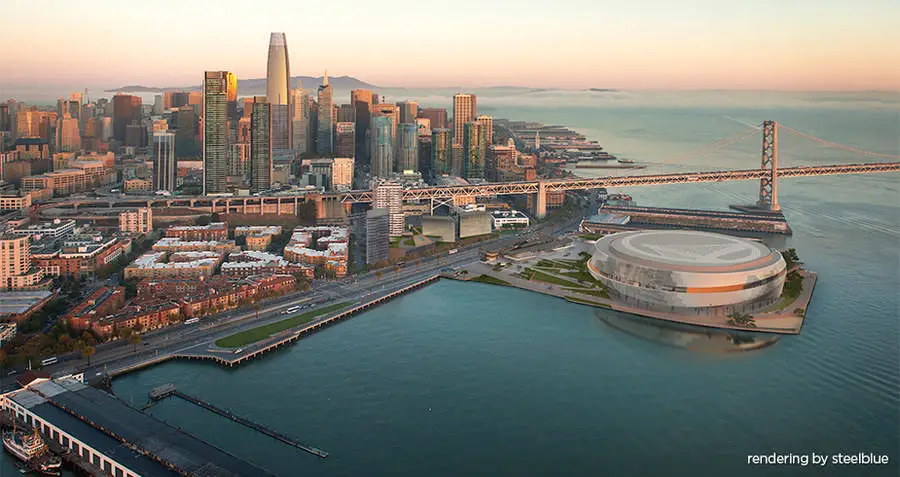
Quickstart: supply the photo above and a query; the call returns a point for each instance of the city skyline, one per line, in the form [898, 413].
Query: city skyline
[571, 44]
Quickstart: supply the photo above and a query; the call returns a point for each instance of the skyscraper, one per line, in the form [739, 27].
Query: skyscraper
[475, 149]
[407, 148]
[344, 139]
[487, 123]
[390, 110]
[68, 137]
[5, 122]
[463, 112]
[378, 236]
[126, 110]
[299, 120]
[389, 195]
[408, 111]
[324, 140]
[441, 152]
[361, 99]
[215, 130]
[382, 146]
[164, 165]
[260, 145]
[346, 113]
[278, 77]
[342, 173]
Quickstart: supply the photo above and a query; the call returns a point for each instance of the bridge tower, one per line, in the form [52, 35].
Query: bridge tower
[768, 186]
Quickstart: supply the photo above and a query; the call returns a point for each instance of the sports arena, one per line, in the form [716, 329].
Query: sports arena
[688, 271]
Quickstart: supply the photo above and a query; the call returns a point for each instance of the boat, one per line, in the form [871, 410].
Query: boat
[31, 449]
[626, 161]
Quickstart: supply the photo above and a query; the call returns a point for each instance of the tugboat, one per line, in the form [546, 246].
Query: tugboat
[32, 450]
[625, 161]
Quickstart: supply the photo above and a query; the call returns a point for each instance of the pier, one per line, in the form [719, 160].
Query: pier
[167, 390]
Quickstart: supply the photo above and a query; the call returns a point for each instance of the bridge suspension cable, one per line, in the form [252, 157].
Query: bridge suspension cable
[810, 137]
[751, 131]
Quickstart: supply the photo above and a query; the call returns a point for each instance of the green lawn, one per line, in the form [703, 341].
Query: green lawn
[544, 277]
[585, 291]
[262, 332]
[489, 279]
[590, 236]
[582, 301]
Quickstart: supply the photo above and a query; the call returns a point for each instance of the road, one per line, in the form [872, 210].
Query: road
[179, 338]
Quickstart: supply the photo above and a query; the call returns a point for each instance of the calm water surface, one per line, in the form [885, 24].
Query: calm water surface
[470, 379]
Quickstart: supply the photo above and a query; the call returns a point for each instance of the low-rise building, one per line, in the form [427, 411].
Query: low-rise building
[55, 229]
[474, 223]
[102, 303]
[253, 262]
[7, 332]
[174, 265]
[258, 237]
[443, 228]
[15, 202]
[213, 231]
[509, 219]
[138, 185]
[325, 246]
[78, 255]
[175, 244]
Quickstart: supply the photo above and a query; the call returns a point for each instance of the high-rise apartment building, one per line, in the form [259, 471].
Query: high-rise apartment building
[361, 99]
[126, 111]
[389, 195]
[324, 138]
[378, 236]
[463, 112]
[260, 145]
[487, 123]
[441, 152]
[344, 139]
[408, 111]
[16, 269]
[278, 78]
[382, 146]
[164, 165]
[407, 158]
[475, 147]
[215, 130]
[299, 120]
[138, 221]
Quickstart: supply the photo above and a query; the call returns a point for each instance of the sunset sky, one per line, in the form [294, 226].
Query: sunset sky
[651, 44]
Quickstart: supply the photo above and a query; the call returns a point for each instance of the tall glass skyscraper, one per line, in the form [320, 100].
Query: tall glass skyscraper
[408, 111]
[300, 137]
[324, 134]
[362, 102]
[260, 145]
[407, 148]
[278, 77]
[382, 146]
[215, 130]
[475, 150]
[464, 109]
[441, 152]
[164, 166]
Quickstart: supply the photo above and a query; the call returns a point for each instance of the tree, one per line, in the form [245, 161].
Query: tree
[87, 352]
[134, 339]
[378, 275]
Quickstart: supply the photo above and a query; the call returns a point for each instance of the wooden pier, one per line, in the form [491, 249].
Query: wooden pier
[164, 391]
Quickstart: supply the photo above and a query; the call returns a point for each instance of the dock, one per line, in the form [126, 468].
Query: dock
[166, 390]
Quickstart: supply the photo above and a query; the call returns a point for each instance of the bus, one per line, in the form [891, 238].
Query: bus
[49, 361]
[192, 321]
[290, 310]
[452, 251]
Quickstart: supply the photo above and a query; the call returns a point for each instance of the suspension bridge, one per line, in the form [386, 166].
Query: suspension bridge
[768, 175]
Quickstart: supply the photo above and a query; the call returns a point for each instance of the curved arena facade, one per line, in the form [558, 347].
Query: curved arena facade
[688, 271]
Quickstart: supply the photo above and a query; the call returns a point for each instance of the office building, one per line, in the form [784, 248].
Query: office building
[378, 237]
[487, 123]
[260, 145]
[300, 137]
[344, 139]
[68, 135]
[463, 112]
[408, 111]
[457, 158]
[389, 195]
[501, 162]
[389, 110]
[423, 127]
[442, 227]
[362, 103]
[426, 168]
[158, 104]
[475, 150]
[278, 77]
[346, 113]
[342, 173]
[165, 168]
[138, 221]
[474, 223]
[324, 131]
[407, 158]
[215, 130]
[126, 111]
[382, 146]
[441, 152]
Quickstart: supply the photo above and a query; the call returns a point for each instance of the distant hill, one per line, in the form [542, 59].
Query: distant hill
[256, 85]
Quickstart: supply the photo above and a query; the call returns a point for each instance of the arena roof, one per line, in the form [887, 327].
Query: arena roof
[680, 248]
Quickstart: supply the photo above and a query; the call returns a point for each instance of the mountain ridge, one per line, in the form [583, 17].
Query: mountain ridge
[308, 82]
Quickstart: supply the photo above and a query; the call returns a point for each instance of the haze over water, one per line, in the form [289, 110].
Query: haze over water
[470, 379]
